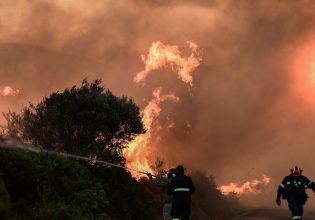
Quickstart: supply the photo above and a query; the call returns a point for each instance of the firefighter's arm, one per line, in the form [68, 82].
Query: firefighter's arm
[309, 184]
[280, 191]
[170, 189]
[312, 186]
[281, 188]
[278, 199]
[160, 182]
[156, 181]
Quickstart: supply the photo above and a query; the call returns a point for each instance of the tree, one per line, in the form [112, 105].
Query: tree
[84, 121]
[159, 167]
[4, 200]
[43, 186]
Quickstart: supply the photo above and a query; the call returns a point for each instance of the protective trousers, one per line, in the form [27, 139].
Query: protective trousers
[181, 218]
[181, 210]
[167, 211]
[296, 207]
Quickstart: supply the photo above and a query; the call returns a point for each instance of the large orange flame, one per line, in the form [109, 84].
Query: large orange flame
[139, 149]
[8, 91]
[160, 56]
[249, 187]
[167, 56]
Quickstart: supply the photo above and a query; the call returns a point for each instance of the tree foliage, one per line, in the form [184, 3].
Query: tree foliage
[43, 186]
[85, 120]
[4, 201]
[130, 201]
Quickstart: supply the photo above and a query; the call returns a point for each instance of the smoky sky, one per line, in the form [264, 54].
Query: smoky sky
[240, 118]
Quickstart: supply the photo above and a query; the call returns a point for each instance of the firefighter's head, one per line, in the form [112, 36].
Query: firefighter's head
[171, 173]
[180, 170]
[296, 171]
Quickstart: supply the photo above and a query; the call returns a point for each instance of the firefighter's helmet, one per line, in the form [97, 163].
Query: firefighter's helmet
[296, 171]
[171, 173]
[180, 169]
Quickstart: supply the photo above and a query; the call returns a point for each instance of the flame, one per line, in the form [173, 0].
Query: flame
[138, 150]
[8, 91]
[162, 56]
[249, 187]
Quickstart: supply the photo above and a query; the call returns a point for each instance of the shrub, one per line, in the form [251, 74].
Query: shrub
[48, 187]
[4, 201]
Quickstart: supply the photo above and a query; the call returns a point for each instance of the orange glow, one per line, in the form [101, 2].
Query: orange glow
[8, 91]
[162, 56]
[304, 71]
[140, 149]
[250, 187]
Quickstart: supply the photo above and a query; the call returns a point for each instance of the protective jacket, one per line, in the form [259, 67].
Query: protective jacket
[292, 188]
[295, 186]
[181, 187]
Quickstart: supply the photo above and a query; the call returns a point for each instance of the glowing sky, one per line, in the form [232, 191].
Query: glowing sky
[250, 110]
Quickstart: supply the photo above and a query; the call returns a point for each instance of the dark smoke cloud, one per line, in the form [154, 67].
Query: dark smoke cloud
[239, 120]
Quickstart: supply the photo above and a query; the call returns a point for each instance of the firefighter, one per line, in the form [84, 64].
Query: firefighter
[163, 184]
[292, 188]
[181, 188]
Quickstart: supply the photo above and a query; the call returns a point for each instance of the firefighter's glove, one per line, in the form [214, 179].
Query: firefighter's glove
[150, 176]
[278, 201]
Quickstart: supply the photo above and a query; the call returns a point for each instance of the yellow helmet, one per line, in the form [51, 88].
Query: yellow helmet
[296, 171]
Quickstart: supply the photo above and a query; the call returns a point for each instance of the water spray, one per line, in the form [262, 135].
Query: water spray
[12, 144]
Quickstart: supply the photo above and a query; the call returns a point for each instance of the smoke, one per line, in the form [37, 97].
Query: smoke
[241, 118]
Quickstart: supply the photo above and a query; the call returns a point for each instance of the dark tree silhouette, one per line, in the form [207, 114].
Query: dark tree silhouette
[85, 120]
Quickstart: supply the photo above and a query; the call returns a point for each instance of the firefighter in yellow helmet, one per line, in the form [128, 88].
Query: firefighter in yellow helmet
[292, 188]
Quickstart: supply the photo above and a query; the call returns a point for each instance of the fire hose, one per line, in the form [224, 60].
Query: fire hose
[12, 144]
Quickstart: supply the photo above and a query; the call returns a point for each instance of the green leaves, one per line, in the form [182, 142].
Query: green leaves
[84, 120]
[4, 201]
[43, 186]
[48, 187]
